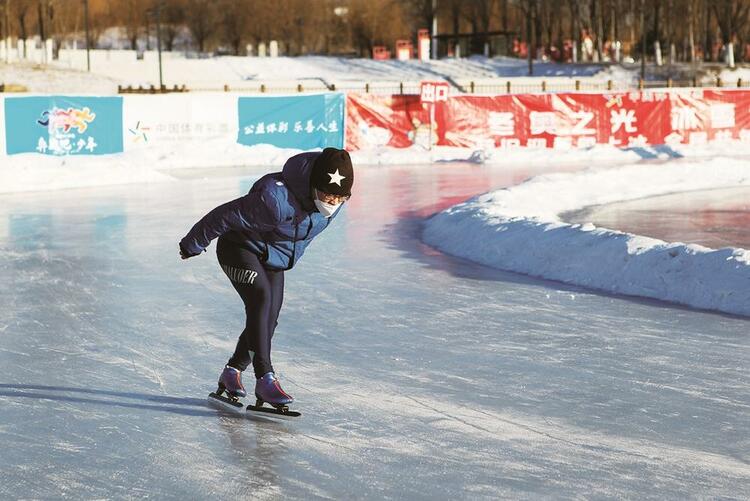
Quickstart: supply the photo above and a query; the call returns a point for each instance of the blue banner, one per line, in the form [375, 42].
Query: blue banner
[301, 122]
[63, 125]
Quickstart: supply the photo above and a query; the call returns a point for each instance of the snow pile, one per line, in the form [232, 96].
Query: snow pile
[600, 154]
[519, 229]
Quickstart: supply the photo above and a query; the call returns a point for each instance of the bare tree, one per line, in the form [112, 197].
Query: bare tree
[370, 27]
[335, 26]
[172, 17]
[21, 11]
[233, 16]
[419, 13]
[131, 13]
[201, 19]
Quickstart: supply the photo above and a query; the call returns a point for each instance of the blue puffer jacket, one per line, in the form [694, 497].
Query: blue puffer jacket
[276, 220]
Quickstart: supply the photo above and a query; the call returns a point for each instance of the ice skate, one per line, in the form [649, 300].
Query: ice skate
[230, 388]
[230, 382]
[268, 390]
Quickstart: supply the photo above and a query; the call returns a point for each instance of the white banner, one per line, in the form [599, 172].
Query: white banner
[158, 119]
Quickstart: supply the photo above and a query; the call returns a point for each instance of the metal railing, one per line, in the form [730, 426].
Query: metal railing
[519, 86]
[152, 89]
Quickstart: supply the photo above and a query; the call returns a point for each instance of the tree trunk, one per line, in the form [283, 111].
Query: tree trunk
[708, 49]
[691, 31]
[657, 33]
[22, 27]
[594, 27]
[170, 35]
[643, 39]
[575, 26]
[668, 18]
[456, 21]
[600, 29]
[544, 26]
[504, 20]
[530, 38]
[40, 15]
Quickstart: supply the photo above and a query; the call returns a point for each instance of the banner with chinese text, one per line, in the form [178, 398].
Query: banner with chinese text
[559, 121]
[63, 125]
[194, 118]
[699, 117]
[302, 122]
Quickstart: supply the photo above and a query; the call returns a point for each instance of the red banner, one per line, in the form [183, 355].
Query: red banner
[559, 121]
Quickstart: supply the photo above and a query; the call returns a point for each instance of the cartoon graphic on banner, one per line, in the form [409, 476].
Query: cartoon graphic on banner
[63, 125]
[302, 122]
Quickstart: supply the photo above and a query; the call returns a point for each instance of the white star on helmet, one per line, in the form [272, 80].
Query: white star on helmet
[336, 177]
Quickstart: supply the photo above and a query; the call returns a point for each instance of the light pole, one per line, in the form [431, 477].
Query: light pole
[7, 32]
[643, 42]
[434, 30]
[531, 35]
[157, 10]
[158, 41]
[88, 55]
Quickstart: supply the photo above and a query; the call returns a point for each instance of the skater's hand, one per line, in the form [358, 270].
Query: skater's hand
[183, 254]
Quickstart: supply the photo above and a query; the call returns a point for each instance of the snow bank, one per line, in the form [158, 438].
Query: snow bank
[599, 154]
[519, 229]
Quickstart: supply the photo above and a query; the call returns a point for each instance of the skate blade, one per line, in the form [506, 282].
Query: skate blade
[272, 412]
[222, 402]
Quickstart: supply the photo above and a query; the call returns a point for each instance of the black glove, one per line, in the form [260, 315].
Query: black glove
[184, 254]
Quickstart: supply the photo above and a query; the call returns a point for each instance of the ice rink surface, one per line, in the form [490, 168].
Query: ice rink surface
[713, 218]
[419, 376]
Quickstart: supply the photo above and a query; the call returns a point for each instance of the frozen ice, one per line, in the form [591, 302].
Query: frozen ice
[419, 375]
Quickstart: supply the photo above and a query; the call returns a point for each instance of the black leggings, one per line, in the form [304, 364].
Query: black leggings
[262, 291]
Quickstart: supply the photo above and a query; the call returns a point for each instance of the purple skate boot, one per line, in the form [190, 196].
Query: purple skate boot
[268, 389]
[231, 382]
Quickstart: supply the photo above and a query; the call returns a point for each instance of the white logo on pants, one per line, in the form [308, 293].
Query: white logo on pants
[239, 275]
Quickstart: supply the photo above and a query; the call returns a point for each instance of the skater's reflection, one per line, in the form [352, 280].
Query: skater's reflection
[259, 445]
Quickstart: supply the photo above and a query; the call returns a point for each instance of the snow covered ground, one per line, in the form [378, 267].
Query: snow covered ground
[313, 72]
[419, 375]
[316, 73]
[46, 80]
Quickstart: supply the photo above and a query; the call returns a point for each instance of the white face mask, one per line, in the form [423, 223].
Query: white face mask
[326, 209]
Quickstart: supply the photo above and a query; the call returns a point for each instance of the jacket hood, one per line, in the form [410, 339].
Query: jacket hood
[296, 174]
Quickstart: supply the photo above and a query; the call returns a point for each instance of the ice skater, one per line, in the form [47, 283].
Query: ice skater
[261, 235]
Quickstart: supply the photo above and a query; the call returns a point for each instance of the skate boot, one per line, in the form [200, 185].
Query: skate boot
[268, 389]
[231, 382]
